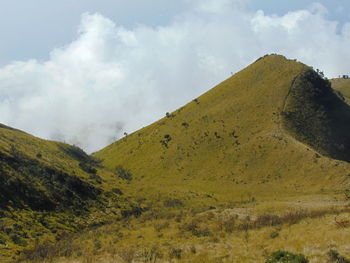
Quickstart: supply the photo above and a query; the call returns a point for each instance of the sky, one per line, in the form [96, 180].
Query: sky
[85, 71]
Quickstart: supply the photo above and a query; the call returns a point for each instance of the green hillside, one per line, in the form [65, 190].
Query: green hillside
[48, 189]
[253, 166]
[254, 135]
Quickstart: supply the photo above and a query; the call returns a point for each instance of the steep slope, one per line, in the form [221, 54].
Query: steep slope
[316, 115]
[255, 135]
[49, 188]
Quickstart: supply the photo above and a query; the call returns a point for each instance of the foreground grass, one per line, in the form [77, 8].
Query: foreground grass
[245, 233]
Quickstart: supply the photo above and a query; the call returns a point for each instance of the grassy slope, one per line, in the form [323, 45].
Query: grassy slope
[343, 86]
[228, 145]
[44, 191]
[223, 149]
[228, 148]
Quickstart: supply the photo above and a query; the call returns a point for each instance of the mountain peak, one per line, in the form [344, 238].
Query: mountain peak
[238, 136]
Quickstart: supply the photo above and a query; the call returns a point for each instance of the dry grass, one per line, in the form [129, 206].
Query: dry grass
[343, 86]
[210, 236]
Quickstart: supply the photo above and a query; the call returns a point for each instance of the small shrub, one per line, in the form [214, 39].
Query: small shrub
[185, 124]
[167, 139]
[196, 101]
[286, 257]
[123, 173]
[274, 234]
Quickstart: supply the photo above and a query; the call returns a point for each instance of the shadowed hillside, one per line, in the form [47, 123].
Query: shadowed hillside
[48, 189]
[315, 115]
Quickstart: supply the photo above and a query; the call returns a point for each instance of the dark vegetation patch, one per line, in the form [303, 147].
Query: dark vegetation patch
[123, 173]
[185, 124]
[38, 200]
[169, 115]
[78, 154]
[166, 140]
[2, 126]
[286, 257]
[27, 183]
[87, 162]
[315, 115]
[86, 167]
[132, 211]
[96, 178]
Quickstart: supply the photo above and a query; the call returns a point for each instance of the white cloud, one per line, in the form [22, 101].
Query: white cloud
[112, 79]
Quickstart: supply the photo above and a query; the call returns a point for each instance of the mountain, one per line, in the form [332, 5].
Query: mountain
[257, 164]
[48, 189]
[274, 129]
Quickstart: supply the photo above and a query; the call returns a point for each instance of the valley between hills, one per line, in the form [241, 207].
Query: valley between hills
[258, 164]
